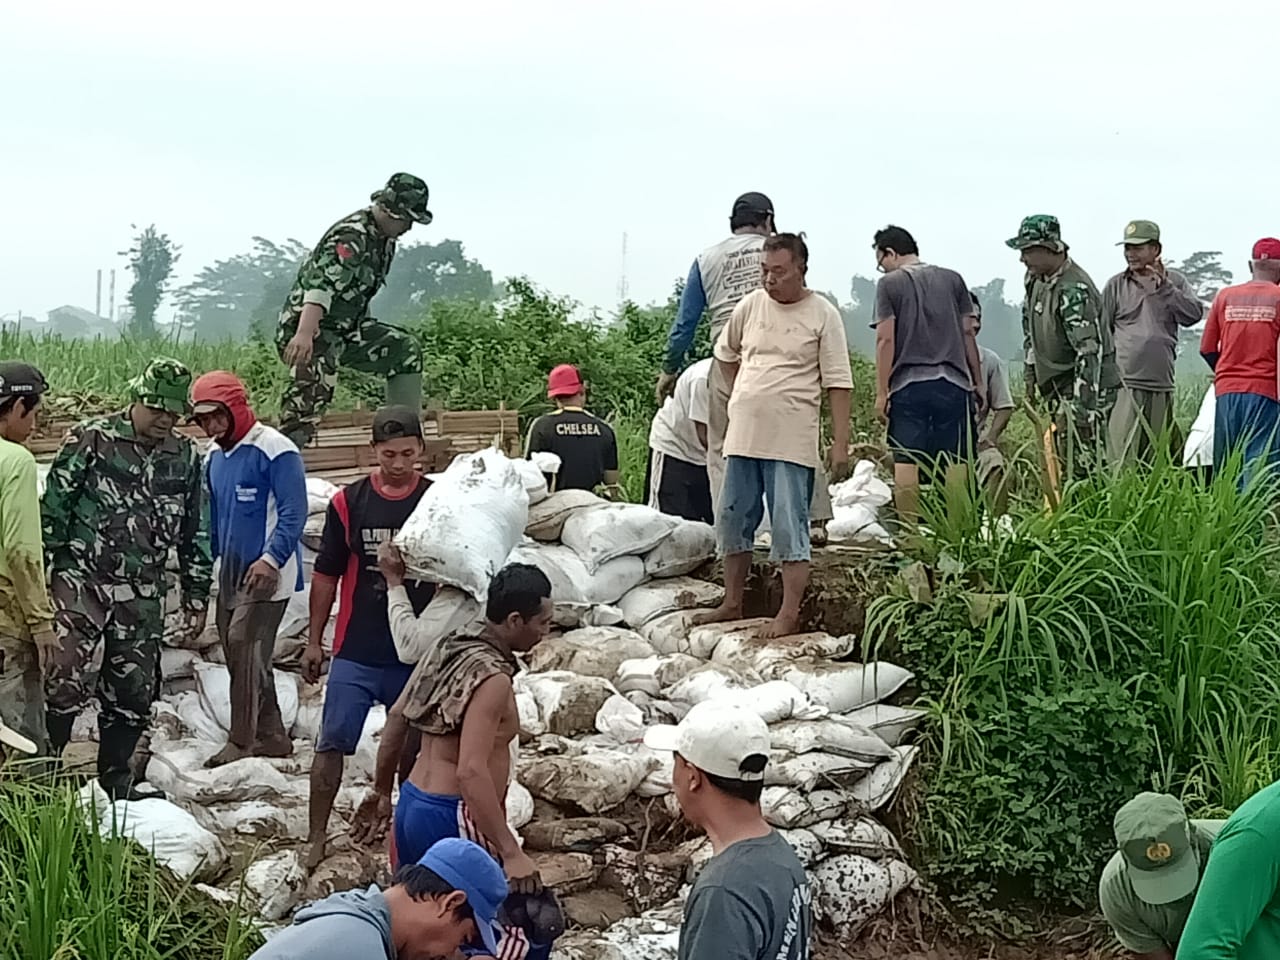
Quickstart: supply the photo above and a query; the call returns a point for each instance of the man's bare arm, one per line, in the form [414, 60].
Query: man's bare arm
[475, 748]
[391, 746]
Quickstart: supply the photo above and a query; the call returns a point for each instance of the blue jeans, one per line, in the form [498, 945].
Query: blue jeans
[748, 484]
[1248, 421]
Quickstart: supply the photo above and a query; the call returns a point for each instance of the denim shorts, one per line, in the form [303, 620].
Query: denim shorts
[931, 421]
[748, 484]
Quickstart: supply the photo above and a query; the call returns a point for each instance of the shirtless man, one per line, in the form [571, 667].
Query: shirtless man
[461, 699]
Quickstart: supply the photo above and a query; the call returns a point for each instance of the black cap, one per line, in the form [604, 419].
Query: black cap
[18, 379]
[396, 423]
[752, 203]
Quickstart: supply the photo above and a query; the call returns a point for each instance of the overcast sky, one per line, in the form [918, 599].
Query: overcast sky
[547, 129]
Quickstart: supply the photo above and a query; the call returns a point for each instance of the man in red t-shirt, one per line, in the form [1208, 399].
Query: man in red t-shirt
[365, 668]
[1240, 344]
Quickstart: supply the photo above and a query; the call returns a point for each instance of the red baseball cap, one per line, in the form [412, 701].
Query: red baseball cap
[1268, 248]
[564, 381]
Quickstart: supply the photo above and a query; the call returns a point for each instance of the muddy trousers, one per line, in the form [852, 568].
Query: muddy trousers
[108, 646]
[717, 425]
[22, 689]
[247, 630]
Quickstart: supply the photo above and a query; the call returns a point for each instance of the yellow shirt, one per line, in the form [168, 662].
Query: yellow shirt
[24, 602]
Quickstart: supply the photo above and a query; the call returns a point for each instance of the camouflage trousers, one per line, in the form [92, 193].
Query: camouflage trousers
[370, 347]
[108, 644]
[1081, 447]
[22, 689]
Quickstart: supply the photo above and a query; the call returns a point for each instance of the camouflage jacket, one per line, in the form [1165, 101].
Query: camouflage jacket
[1068, 350]
[114, 507]
[346, 268]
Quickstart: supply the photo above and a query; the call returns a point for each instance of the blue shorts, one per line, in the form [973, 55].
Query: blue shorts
[1248, 421]
[352, 688]
[748, 484]
[931, 421]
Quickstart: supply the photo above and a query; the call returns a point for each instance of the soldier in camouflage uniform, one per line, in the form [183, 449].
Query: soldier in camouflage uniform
[1070, 355]
[123, 492]
[325, 323]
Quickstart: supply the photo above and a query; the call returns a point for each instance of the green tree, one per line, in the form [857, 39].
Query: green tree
[1205, 272]
[1001, 320]
[859, 314]
[151, 258]
[242, 294]
[425, 272]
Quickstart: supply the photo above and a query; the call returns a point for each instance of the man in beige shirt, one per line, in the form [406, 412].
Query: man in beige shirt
[781, 348]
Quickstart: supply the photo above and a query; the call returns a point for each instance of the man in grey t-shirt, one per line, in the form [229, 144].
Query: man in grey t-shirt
[752, 900]
[991, 465]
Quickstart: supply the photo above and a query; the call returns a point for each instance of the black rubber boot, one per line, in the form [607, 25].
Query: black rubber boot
[59, 726]
[115, 748]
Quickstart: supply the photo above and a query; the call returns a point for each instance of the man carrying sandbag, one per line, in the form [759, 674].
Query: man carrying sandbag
[257, 508]
[462, 700]
[365, 668]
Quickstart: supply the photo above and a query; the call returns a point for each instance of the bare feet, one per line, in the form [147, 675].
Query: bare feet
[721, 614]
[228, 754]
[315, 854]
[783, 625]
[278, 745]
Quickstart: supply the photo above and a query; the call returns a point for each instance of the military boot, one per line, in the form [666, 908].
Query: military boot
[115, 748]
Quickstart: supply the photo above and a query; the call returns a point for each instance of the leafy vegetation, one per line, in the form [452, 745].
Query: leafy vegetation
[151, 259]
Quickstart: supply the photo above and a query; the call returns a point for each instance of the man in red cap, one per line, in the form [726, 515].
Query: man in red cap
[584, 443]
[1239, 344]
[257, 508]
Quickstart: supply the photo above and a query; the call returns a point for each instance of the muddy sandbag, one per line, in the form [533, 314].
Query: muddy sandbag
[274, 884]
[652, 675]
[196, 721]
[849, 890]
[745, 649]
[173, 836]
[213, 683]
[535, 482]
[706, 682]
[260, 819]
[829, 735]
[547, 517]
[874, 791]
[615, 530]
[567, 702]
[177, 768]
[177, 663]
[865, 836]
[319, 493]
[685, 549]
[594, 782]
[805, 843]
[773, 701]
[531, 724]
[677, 633]
[809, 771]
[591, 651]
[574, 587]
[519, 804]
[306, 725]
[841, 687]
[650, 600]
[891, 724]
[788, 808]
[620, 720]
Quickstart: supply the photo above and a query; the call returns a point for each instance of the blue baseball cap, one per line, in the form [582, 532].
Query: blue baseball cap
[466, 866]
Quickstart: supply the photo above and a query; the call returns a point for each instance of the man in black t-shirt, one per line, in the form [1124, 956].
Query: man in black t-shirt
[365, 668]
[584, 443]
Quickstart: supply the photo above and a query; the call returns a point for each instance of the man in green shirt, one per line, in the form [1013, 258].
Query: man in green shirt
[1236, 915]
[1148, 886]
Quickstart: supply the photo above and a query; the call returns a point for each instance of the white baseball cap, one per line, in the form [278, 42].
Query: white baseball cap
[716, 738]
[12, 738]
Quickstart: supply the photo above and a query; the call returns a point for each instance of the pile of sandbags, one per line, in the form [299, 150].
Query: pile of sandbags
[855, 505]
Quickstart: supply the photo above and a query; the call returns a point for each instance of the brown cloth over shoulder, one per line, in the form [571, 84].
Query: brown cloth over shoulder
[447, 678]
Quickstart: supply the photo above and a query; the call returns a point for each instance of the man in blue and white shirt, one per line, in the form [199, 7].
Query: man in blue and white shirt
[257, 508]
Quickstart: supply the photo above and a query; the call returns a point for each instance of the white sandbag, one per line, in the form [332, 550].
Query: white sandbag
[519, 804]
[165, 830]
[809, 771]
[841, 687]
[689, 546]
[306, 725]
[197, 722]
[620, 720]
[535, 483]
[567, 702]
[602, 615]
[658, 782]
[705, 683]
[213, 683]
[467, 523]
[744, 648]
[805, 843]
[274, 884]
[865, 836]
[531, 724]
[449, 611]
[594, 782]
[319, 493]
[313, 530]
[832, 735]
[857, 522]
[612, 580]
[177, 768]
[874, 791]
[260, 819]
[675, 633]
[652, 675]
[773, 701]
[891, 724]
[360, 767]
[615, 530]
[656, 710]
[297, 614]
[849, 891]
[572, 583]
[863, 486]
[650, 600]
[591, 651]
[178, 664]
[788, 808]
[546, 461]
[547, 517]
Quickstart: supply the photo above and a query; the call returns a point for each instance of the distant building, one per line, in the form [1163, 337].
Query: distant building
[69, 321]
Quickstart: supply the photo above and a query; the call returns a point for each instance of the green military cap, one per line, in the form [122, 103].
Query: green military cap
[1038, 230]
[164, 384]
[405, 197]
[1154, 837]
[1137, 232]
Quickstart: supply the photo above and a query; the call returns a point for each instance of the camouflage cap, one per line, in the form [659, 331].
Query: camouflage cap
[405, 197]
[164, 384]
[1038, 230]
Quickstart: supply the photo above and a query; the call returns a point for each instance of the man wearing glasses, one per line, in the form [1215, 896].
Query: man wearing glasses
[122, 493]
